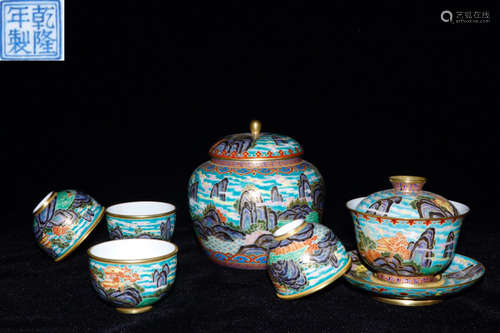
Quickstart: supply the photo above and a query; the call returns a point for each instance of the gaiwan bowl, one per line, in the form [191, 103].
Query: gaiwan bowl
[402, 248]
[63, 220]
[132, 274]
[304, 258]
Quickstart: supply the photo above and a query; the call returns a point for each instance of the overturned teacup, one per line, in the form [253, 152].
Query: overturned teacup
[304, 258]
[63, 220]
[132, 274]
[141, 219]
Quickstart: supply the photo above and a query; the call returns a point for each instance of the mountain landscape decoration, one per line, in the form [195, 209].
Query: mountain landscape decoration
[306, 259]
[219, 190]
[193, 191]
[396, 256]
[129, 229]
[239, 143]
[67, 216]
[382, 207]
[234, 214]
[429, 207]
[132, 285]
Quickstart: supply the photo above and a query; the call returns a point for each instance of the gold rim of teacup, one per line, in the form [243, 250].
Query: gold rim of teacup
[133, 261]
[142, 309]
[45, 203]
[141, 217]
[407, 179]
[321, 285]
[291, 232]
[84, 236]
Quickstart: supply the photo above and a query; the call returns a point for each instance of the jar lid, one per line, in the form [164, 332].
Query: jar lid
[407, 200]
[256, 146]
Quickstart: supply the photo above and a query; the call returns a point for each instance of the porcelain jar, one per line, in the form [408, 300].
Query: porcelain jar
[253, 184]
[405, 234]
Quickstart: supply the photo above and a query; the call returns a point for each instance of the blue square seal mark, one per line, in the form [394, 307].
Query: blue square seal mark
[31, 30]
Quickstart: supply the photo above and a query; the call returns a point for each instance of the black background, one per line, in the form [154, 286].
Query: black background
[148, 86]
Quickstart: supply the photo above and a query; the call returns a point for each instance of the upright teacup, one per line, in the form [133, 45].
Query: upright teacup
[141, 219]
[132, 274]
[407, 235]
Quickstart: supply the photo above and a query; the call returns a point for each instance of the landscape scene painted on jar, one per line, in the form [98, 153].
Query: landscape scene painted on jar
[132, 285]
[266, 146]
[235, 210]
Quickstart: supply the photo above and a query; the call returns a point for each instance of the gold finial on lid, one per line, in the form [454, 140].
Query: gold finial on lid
[255, 127]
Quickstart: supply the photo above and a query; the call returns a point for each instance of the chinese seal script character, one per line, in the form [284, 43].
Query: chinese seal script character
[31, 30]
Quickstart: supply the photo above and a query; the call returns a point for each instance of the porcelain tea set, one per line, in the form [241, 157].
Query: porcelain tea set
[258, 205]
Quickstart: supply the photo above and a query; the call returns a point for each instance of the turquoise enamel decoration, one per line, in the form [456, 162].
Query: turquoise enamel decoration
[132, 274]
[161, 227]
[63, 220]
[254, 183]
[460, 274]
[305, 259]
[405, 232]
[132, 285]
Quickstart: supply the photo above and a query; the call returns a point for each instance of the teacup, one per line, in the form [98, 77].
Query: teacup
[63, 220]
[132, 274]
[405, 251]
[304, 258]
[141, 219]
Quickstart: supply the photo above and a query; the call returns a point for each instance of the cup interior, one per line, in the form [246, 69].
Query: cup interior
[353, 204]
[140, 208]
[461, 208]
[41, 203]
[288, 227]
[132, 249]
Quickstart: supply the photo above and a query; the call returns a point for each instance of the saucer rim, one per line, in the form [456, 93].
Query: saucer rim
[372, 283]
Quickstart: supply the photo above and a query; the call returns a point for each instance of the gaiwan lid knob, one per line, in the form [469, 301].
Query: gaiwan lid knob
[407, 184]
[256, 146]
[407, 200]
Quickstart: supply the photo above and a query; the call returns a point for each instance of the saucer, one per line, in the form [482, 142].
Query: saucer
[462, 273]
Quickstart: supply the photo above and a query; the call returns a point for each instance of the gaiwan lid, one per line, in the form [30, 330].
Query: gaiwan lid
[407, 200]
[256, 146]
